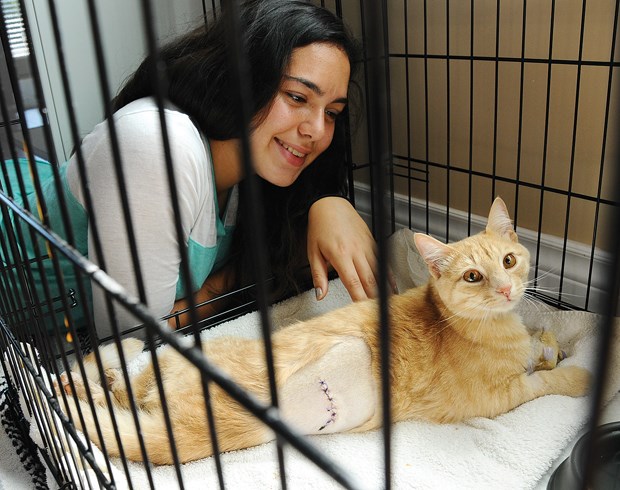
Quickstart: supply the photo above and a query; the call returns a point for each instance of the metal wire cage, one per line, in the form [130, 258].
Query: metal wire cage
[463, 101]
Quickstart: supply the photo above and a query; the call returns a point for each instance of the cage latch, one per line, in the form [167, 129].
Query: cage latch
[71, 295]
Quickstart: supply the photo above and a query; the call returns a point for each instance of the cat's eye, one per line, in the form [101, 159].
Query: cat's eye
[472, 276]
[510, 261]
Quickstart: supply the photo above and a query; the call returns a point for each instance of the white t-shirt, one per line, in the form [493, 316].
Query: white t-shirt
[206, 233]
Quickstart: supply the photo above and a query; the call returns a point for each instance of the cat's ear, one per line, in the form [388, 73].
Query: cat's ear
[499, 221]
[433, 252]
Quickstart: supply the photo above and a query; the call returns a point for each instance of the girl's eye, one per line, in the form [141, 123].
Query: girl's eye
[332, 114]
[510, 261]
[295, 98]
[472, 276]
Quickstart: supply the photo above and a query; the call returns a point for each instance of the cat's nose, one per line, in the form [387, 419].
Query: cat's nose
[505, 290]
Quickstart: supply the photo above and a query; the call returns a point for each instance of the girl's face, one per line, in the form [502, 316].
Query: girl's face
[300, 123]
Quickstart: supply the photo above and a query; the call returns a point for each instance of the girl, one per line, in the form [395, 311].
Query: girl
[300, 59]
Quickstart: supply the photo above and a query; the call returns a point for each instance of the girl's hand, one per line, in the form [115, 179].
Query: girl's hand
[217, 284]
[338, 237]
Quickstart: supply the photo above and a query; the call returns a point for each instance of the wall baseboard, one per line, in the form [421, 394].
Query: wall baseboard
[565, 281]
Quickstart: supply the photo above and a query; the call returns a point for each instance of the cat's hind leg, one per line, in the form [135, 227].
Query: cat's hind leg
[336, 393]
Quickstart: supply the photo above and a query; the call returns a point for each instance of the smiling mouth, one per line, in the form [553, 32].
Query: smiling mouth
[291, 150]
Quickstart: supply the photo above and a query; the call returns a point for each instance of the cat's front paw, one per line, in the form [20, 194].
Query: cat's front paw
[574, 380]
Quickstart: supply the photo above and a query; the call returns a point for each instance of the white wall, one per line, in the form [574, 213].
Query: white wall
[123, 41]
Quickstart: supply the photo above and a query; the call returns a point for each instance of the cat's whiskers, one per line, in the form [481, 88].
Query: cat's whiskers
[552, 291]
[476, 338]
[536, 305]
[555, 292]
[447, 322]
[535, 281]
[476, 333]
[536, 301]
[460, 315]
[478, 322]
[541, 275]
[533, 284]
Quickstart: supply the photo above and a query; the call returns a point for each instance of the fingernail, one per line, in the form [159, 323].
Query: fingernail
[318, 292]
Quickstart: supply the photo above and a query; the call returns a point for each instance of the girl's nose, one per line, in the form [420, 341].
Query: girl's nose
[313, 125]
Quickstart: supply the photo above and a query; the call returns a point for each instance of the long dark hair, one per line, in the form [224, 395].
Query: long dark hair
[199, 83]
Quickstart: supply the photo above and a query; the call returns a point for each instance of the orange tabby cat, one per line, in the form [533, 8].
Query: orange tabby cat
[458, 351]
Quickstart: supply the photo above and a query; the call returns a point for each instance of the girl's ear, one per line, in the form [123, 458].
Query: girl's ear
[499, 221]
[433, 252]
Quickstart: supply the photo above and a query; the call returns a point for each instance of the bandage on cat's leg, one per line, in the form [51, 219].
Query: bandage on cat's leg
[551, 353]
[334, 394]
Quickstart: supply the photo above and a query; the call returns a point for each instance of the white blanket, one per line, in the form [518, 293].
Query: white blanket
[512, 451]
